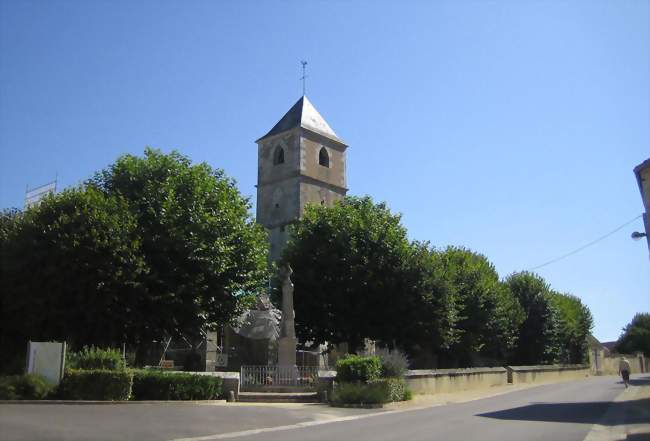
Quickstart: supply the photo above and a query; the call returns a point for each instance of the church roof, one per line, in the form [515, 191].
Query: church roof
[303, 114]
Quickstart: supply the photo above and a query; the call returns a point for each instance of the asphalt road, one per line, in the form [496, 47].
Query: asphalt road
[564, 411]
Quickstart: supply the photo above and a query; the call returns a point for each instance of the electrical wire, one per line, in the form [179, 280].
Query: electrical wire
[593, 242]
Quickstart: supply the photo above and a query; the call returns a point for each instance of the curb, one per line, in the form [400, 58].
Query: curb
[358, 406]
[90, 402]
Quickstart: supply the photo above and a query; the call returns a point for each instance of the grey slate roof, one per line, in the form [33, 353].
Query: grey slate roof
[303, 114]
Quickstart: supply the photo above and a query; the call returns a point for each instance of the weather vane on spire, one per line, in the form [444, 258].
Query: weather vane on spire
[304, 75]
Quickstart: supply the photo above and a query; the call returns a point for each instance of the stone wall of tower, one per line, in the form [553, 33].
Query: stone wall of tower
[284, 189]
[311, 145]
[278, 188]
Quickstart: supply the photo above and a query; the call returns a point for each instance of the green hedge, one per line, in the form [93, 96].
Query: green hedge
[380, 391]
[357, 368]
[96, 385]
[24, 387]
[158, 385]
[92, 358]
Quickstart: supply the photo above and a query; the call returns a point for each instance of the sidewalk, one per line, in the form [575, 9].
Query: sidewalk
[629, 416]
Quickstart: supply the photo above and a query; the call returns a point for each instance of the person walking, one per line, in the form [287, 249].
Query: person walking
[624, 370]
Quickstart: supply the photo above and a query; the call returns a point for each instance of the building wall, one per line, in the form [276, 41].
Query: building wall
[644, 175]
[309, 166]
[283, 190]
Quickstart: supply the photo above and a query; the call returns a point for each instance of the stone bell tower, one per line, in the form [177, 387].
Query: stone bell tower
[300, 161]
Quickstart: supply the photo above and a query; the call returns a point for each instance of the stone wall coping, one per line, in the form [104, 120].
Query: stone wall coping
[326, 374]
[552, 367]
[224, 375]
[418, 373]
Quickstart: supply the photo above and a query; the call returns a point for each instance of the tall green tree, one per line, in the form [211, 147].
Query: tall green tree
[636, 335]
[152, 245]
[538, 340]
[429, 301]
[202, 250]
[348, 263]
[574, 324]
[488, 314]
[70, 270]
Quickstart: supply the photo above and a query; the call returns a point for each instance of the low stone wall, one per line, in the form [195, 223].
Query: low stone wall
[546, 374]
[609, 365]
[454, 380]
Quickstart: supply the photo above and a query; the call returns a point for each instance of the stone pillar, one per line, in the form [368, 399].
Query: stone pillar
[287, 341]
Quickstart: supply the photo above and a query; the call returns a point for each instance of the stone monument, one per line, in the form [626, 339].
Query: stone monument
[287, 341]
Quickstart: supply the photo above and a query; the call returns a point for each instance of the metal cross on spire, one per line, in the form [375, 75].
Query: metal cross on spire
[304, 76]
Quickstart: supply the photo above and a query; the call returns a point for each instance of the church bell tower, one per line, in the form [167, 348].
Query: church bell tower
[300, 161]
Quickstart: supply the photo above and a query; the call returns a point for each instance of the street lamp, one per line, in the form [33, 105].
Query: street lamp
[637, 236]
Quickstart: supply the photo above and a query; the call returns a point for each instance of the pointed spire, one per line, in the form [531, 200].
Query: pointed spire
[303, 114]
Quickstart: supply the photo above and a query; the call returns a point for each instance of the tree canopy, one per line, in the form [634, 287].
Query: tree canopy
[635, 336]
[152, 245]
[347, 262]
[573, 325]
[488, 315]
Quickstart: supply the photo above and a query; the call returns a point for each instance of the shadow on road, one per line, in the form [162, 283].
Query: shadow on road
[585, 413]
[639, 381]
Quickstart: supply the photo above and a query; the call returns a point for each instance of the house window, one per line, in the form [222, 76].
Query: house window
[278, 156]
[323, 157]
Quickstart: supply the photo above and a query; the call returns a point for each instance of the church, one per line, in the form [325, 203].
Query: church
[301, 161]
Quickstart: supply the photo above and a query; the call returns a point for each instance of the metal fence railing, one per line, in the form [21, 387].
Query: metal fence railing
[271, 375]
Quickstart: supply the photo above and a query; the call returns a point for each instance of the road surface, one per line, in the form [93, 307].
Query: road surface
[564, 411]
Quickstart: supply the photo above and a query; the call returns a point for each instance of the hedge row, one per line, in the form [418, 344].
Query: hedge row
[24, 387]
[96, 385]
[138, 385]
[353, 368]
[157, 385]
[93, 358]
[380, 391]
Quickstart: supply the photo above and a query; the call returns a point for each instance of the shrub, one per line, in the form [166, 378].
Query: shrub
[383, 390]
[395, 389]
[394, 364]
[359, 393]
[24, 387]
[92, 358]
[356, 368]
[157, 385]
[110, 385]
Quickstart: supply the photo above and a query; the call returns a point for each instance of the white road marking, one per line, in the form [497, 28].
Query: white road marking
[217, 436]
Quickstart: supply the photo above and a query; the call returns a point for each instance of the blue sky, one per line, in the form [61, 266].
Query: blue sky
[511, 128]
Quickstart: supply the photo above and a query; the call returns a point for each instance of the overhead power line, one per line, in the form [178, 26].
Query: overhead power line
[593, 242]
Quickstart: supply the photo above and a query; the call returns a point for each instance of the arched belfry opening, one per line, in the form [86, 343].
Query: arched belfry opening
[278, 156]
[324, 157]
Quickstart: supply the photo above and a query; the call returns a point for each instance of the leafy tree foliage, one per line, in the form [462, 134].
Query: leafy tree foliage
[430, 308]
[488, 315]
[201, 249]
[152, 245]
[348, 265]
[357, 276]
[537, 333]
[636, 335]
[574, 323]
[71, 269]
